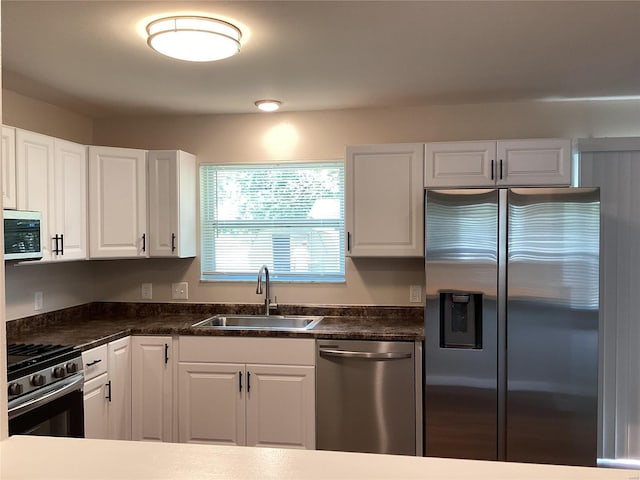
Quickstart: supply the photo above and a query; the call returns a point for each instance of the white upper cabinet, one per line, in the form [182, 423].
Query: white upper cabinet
[117, 202]
[35, 181]
[533, 162]
[455, 164]
[52, 179]
[384, 200]
[9, 195]
[70, 165]
[172, 204]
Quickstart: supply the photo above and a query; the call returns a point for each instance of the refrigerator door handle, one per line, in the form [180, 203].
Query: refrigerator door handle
[365, 355]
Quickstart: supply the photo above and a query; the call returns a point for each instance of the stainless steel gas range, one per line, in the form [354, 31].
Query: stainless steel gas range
[45, 390]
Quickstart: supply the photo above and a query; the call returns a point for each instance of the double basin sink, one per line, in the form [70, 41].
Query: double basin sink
[260, 322]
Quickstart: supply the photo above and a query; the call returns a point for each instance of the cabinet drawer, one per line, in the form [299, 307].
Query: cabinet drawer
[94, 362]
[277, 351]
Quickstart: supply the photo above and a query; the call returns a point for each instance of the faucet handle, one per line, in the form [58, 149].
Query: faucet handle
[273, 305]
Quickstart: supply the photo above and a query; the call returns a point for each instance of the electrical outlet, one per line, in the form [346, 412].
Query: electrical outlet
[415, 294]
[147, 291]
[38, 301]
[180, 291]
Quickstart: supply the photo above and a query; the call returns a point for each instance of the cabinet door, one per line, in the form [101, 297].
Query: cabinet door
[117, 202]
[151, 392]
[460, 164]
[172, 204]
[281, 406]
[9, 196]
[384, 200]
[211, 403]
[95, 407]
[35, 173]
[119, 352]
[535, 162]
[70, 200]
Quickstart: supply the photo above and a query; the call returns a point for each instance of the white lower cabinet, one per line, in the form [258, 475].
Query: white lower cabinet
[151, 392]
[247, 391]
[96, 416]
[211, 403]
[119, 394]
[281, 406]
[107, 391]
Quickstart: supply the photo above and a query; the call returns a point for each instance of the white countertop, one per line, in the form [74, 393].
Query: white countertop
[23, 457]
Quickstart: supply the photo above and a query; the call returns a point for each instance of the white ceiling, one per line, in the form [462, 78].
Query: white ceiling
[89, 56]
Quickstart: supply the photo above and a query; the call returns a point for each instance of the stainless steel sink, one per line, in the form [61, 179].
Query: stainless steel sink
[260, 322]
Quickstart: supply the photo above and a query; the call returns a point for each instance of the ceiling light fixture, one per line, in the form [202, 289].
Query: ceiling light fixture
[268, 105]
[195, 39]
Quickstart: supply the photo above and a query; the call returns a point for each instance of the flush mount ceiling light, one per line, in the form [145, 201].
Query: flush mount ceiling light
[195, 39]
[268, 105]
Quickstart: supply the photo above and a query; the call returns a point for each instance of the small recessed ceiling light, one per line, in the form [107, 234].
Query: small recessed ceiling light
[192, 38]
[268, 105]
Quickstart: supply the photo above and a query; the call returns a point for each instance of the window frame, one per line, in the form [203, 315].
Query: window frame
[279, 277]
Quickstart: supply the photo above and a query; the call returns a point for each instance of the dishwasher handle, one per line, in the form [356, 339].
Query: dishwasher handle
[366, 355]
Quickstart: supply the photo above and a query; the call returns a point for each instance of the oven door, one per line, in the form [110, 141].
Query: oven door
[56, 411]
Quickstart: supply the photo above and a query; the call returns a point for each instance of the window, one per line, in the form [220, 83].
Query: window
[289, 217]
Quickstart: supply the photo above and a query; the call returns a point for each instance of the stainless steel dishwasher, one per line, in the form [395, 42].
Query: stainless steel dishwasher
[366, 396]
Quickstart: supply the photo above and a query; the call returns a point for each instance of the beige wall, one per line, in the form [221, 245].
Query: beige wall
[63, 284]
[305, 136]
[30, 114]
[323, 135]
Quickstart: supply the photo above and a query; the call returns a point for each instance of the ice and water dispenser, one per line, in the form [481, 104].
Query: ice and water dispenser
[460, 320]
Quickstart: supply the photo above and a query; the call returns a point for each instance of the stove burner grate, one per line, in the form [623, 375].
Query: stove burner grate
[20, 355]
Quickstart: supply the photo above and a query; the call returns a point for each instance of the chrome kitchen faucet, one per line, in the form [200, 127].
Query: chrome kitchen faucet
[267, 298]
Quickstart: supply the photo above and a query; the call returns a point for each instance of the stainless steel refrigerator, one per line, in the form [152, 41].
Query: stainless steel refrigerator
[511, 324]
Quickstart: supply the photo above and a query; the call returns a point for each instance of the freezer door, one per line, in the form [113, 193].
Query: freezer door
[552, 326]
[461, 324]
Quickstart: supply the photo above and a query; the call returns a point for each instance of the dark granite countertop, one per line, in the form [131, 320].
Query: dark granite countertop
[91, 325]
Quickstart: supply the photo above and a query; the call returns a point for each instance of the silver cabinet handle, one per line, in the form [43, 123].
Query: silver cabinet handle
[367, 355]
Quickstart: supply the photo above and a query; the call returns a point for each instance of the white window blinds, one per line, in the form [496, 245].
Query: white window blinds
[289, 217]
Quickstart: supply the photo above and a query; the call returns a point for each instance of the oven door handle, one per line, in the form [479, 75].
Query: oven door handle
[64, 386]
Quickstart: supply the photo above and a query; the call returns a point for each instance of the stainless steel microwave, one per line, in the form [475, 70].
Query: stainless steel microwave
[22, 235]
